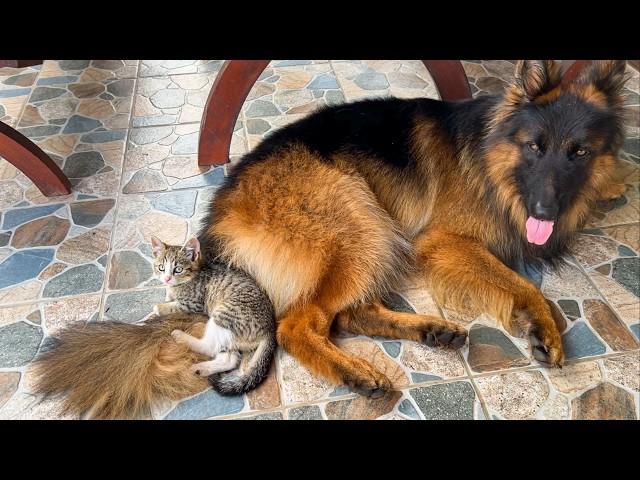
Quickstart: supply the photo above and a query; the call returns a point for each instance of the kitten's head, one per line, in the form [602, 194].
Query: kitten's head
[175, 264]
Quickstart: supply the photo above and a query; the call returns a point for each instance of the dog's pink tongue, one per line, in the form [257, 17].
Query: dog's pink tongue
[538, 231]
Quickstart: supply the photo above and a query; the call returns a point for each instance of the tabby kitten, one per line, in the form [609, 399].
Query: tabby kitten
[241, 316]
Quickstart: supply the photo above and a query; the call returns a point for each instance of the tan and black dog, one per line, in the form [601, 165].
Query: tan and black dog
[335, 209]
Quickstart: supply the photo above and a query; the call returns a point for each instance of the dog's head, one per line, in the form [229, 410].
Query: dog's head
[555, 144]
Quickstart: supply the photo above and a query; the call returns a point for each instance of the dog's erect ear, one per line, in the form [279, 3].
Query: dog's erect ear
[533, 78]
[157, 247]
[536, 77]
[607, 76]
[193, 248]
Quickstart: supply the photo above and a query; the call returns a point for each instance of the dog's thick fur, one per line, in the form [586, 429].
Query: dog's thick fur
[109, 370]
[335, 209]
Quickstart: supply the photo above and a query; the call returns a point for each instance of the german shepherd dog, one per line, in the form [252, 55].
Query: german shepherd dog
[331, 212]
[334, 210]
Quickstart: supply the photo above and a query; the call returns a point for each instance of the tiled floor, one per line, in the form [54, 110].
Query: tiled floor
[126, 131]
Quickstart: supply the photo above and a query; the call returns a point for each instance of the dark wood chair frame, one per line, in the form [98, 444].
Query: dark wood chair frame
[27, 156]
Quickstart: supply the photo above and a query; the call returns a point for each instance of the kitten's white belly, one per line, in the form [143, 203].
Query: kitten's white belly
[219, 338]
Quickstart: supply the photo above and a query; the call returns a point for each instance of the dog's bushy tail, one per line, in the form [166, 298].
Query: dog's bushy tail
[109, 370]
[234, 383]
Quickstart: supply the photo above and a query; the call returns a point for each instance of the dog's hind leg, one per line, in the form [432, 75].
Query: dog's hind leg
[461, 269]
[375, 319]
[304, 333]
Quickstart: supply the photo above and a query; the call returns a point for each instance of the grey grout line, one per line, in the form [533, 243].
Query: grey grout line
[160, 125]
[24, 105]
[483, 403]
[107, 267]
[613, 225]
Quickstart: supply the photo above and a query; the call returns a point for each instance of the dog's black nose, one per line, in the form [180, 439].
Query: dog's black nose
[544, 212]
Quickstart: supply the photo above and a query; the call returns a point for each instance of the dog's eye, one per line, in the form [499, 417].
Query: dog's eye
[534, 146]
[581, 152]
[177, 270]
[161, 268]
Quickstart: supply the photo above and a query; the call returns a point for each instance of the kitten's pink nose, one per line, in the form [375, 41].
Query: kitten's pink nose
[166, 278]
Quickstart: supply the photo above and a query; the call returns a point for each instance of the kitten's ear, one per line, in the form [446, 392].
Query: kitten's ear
[157, 246]
[193, 248]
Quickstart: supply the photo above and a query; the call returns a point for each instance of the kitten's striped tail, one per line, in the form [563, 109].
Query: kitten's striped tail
[231, 383]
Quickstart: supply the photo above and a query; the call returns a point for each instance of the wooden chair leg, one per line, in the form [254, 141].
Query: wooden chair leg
[19, 63]
[570, 69]
[232, 85]
[450, 79]
[33, 162]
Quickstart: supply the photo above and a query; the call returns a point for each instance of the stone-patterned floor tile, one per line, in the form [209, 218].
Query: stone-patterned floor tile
[623, 371]
[596, 389]
[208, 404]
[311, 412]
[25, 406]
[261, 127]
[362, 408]
[132, 306]
[515, 395]
[380, 78]
[625, 304]
[298, 383]
[15, 87]
[626, 208]
[610, 257]
[163, 68]
[61, 313]
[55, 250]
[8, 385]
[20, 336]
[447, 401]
[592, 328]
[78, 105]
[489, 76]
[267, 395]
[165, 158]
[88, 70]
[171, 99]
[292, 90]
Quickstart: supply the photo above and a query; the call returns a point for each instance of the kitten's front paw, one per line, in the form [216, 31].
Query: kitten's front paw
[179, 336]
[156, 310]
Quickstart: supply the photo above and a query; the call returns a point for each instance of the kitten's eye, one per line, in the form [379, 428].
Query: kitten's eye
[177, 270]
[161, 268]
[534, 146]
